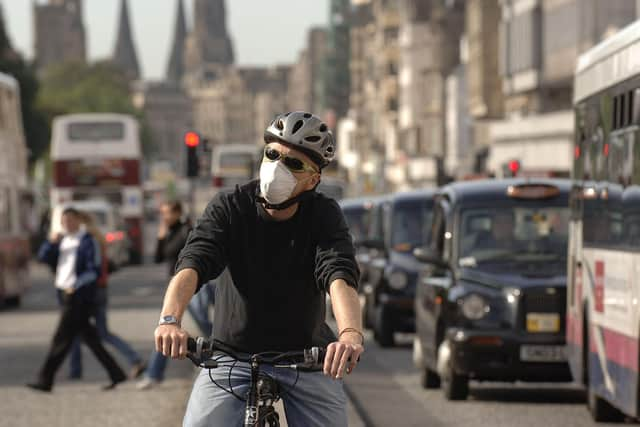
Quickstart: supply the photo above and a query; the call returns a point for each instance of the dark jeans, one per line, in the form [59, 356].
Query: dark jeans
[118, 343]
[76, 311]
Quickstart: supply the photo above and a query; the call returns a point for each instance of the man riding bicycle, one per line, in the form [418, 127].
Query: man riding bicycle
[284, 246]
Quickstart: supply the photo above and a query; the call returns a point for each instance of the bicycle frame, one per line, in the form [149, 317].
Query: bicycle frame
[255, 413]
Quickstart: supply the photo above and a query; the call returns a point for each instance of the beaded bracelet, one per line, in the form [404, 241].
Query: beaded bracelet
[352, 330]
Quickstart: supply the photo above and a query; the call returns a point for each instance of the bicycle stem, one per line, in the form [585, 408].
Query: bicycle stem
[251, 412]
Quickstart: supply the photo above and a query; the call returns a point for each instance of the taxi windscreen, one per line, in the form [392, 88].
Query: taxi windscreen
[358, 220]
[410, 225]
[502, 234]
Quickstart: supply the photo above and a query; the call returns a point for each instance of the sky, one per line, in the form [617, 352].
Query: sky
[264, 32]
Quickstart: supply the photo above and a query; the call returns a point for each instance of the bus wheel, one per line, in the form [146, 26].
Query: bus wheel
[12, 302]
[601, 410]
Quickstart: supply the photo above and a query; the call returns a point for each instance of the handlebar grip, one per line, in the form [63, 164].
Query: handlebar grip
[191, 345]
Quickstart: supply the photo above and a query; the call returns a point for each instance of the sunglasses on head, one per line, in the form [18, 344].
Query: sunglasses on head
[292, 163]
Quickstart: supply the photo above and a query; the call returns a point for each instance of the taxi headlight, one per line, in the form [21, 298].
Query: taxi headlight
[474, 307]
[397, 280]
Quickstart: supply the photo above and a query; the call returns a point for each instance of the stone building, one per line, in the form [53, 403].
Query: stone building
[237, 105]
[208, 47]
[167, 112]
[59, 33]
[541, 40]
[124, 54]
[336, 63]
[484, 82]
[368, 134]
[300, 87]
[176, 65]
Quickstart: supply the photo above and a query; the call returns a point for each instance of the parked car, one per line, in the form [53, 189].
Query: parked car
[490, 303]
[110, 224]
[391, 271]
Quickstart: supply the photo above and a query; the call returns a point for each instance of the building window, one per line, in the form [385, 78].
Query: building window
[522, 37]
[392, 104]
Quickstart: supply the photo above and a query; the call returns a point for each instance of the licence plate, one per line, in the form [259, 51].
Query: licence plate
[543, 353]
[543, 322]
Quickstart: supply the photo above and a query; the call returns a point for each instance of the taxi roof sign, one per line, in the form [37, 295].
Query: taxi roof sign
[533, 191]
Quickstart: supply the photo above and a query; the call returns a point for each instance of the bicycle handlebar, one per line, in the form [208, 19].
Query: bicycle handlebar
[200, 350]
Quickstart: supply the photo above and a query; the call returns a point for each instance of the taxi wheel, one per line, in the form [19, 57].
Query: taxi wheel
[429, 379]
[455, 386]
[366, 315]
[383, 327]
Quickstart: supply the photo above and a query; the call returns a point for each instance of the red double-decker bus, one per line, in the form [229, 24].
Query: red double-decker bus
[98, 156]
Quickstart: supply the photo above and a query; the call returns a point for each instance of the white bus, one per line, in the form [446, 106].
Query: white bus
[14, 213]
[234, 164]
[603, 300]
[98, 156]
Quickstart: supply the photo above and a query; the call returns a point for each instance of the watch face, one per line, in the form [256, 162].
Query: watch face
[169, 319]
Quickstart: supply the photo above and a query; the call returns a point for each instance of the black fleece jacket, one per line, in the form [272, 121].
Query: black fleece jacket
[273, 297]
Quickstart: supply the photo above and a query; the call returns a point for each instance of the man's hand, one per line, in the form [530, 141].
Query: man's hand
[343, 355]
[171, 341]
[162, 230]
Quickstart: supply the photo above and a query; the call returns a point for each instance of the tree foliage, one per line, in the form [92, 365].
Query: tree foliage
[76, 87]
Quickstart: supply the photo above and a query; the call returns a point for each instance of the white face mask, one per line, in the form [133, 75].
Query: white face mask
[277, 183]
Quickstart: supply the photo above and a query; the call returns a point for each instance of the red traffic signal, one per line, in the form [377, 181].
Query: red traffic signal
[191, 139]
[514, 167]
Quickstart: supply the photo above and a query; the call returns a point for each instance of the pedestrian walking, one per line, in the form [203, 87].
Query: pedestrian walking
[135, 360]
[75, 259]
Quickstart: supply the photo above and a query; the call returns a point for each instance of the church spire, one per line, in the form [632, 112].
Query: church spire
[124, 55]
[175, 68]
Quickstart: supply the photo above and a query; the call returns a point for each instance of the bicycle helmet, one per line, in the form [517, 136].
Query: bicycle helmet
[305, 132]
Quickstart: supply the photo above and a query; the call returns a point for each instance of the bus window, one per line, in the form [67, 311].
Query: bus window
[95, 131]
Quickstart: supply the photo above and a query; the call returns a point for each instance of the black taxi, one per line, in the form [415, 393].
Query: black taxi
[401, 224]
[363, 216]
[490, 300]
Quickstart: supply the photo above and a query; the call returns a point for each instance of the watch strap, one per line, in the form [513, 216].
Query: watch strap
[168, 320]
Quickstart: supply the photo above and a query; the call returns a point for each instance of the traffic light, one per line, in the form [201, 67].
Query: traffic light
[511, 168]
[192, 141]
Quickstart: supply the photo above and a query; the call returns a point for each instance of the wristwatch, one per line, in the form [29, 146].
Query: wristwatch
[168, 320]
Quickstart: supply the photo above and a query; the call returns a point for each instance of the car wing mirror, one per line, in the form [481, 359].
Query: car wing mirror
[429, 256]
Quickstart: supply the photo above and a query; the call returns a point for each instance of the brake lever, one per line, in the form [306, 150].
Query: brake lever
[206, 364]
